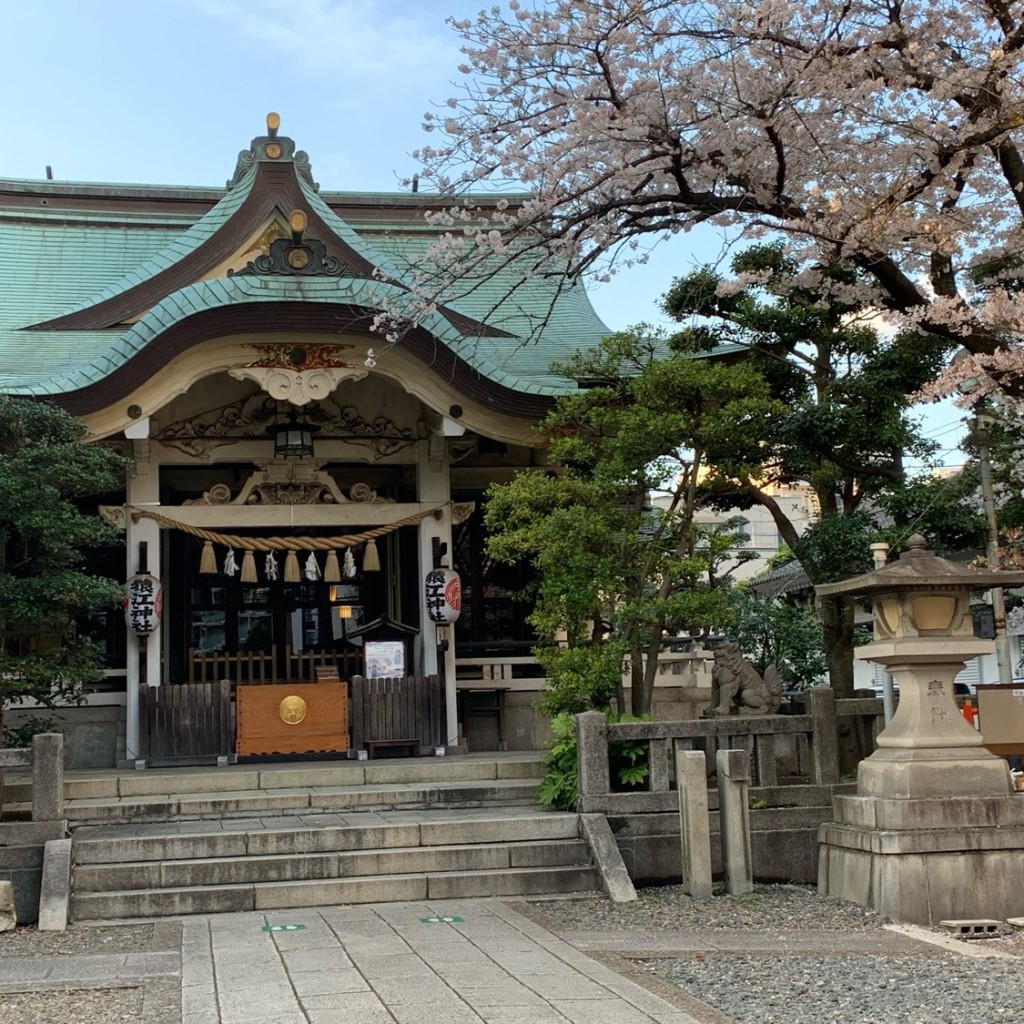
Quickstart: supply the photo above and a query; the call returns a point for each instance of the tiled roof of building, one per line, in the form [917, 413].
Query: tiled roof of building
[68, 252]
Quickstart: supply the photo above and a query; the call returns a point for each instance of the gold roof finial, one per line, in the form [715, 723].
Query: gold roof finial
[273, 123]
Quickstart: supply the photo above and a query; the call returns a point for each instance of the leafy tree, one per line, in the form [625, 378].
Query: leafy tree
[879, 136]
[44, 590]
[615, 571]
[779, 633]
[843, 389]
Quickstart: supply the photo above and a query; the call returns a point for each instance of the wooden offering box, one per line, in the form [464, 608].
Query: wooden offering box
[291, 718]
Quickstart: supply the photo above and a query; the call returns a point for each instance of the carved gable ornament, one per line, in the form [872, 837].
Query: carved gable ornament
[298, 374]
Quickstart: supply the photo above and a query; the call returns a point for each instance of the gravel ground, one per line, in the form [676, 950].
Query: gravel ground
[78, 940]
[98, 1002]
[792, 907]
[927, 986]
[72, 1006]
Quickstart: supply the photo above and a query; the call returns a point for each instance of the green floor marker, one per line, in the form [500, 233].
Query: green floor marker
[283, 928]
[440, 920]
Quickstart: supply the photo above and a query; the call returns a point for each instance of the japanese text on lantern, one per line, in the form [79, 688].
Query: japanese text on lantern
[144, 605]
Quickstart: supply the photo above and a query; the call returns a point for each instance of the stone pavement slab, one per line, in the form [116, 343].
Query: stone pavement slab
[385, 963]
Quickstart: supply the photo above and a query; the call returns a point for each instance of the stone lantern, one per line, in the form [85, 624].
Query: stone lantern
[919, 840]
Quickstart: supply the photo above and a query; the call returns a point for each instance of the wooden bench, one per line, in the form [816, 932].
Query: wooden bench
[372, 746]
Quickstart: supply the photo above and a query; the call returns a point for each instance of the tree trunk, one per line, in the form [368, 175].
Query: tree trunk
[837, 623]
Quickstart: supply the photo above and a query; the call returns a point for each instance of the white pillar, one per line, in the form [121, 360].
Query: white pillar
[433, 482]
[143, 489]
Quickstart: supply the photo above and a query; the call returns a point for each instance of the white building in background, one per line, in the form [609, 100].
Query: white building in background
[764, 539]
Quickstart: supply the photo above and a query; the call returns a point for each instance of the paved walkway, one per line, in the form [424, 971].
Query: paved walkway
[390, 963]
[384, 963]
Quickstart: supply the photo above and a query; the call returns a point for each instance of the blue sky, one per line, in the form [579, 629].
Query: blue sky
[168, 91]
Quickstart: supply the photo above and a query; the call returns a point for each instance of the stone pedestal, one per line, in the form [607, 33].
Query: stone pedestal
[935, 831]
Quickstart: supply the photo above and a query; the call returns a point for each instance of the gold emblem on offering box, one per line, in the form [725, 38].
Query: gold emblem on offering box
[292, 710]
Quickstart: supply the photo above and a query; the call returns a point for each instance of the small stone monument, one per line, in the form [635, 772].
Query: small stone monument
[934, 831]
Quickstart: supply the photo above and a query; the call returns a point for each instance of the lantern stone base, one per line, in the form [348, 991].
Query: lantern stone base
[932, 834]
[925, 861]
[923, 773]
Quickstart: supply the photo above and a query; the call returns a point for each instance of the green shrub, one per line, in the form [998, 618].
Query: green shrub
[21, 736]
[627, 762]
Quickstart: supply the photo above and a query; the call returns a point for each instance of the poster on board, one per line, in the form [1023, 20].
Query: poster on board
[384, 659]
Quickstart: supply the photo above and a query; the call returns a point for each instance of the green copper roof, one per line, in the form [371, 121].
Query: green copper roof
[66, 248]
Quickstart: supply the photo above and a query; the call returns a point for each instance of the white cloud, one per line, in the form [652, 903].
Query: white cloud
[373, 44]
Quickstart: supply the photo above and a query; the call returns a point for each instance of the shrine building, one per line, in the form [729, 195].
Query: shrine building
[294, 476]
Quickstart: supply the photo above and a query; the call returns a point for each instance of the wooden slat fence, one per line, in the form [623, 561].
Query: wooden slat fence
[238, 667]
[302, 665]
[186, 720]
[262, 666]
[408, 708]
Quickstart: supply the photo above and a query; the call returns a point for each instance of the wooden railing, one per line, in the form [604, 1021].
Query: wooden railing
[235, 667]
[263, 666]
[473, 671]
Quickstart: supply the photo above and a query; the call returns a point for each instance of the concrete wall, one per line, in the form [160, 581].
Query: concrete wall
[784, 843]
[93, 734]
[23, 867]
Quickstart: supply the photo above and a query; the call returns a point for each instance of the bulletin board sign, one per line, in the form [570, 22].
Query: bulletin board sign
[1001, 715]
[384, 659]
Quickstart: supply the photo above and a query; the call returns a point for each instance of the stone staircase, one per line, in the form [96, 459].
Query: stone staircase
[274, 836]
[372, 858]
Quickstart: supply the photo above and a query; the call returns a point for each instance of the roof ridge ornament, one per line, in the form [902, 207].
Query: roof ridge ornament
[273, 148]
[295, 254]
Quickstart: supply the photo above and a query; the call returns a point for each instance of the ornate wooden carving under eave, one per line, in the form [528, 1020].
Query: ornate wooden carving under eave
[199, 435]
[250, 418]
[461, 511]
[113, 514]
[298, 387]
[290, 482]
[460, 448]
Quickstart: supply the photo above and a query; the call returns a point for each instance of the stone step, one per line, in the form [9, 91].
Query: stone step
[111, 845]
[226, 871]
[261, 803]
[167, 782]
[329, 892]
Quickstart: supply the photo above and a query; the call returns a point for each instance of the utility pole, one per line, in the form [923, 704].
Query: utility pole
[981, 426]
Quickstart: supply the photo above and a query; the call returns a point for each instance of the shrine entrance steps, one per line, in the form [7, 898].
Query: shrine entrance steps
[201, 841]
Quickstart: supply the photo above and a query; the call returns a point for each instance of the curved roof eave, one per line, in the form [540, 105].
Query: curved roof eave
[248, 305]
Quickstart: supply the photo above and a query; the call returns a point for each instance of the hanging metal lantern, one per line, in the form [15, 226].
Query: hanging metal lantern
[293, 439]
[444, 595]
[144, 606]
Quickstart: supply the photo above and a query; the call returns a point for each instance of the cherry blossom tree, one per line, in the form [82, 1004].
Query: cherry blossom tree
[882, 134]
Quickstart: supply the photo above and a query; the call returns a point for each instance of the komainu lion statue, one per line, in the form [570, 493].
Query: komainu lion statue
[735, 683]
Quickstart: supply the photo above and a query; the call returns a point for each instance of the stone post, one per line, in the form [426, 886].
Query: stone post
[593, 783]
[694, 827]
[734, 820]
[48, 777]
[824, 737]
